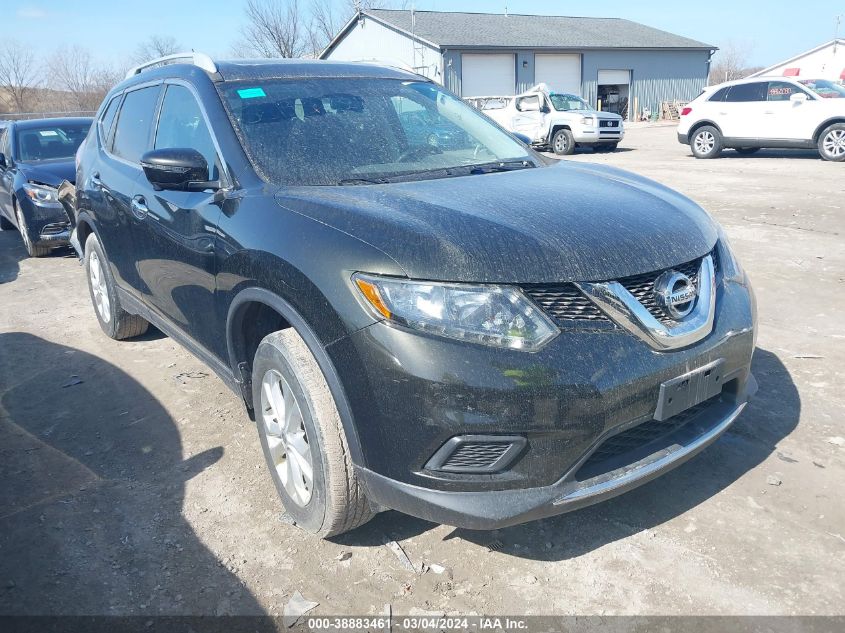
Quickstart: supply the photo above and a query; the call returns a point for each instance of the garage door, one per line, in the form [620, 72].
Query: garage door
[487, 75]
[562, 73]
[614, 77]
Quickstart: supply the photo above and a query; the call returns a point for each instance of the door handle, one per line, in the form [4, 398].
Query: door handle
[723, 114]
[139, 207]
[769, 112]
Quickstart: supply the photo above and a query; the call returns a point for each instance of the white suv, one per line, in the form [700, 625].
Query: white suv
[759, 112]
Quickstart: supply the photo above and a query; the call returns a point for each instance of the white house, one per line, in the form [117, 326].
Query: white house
[823, 62]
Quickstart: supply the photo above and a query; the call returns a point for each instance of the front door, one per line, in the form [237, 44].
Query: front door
[177, 229]
[529, 116]
[788, 119]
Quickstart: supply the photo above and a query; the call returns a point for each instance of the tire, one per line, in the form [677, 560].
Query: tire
[563, 143]
[31, 249]
[832, 143]
[286, 378]
[747, 151]
[115, 322]
[706, 142]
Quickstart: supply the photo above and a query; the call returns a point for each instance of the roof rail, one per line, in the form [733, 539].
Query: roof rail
[201, 60]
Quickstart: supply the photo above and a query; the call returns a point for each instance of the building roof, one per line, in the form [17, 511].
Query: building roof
[496, 30]
[786, 62]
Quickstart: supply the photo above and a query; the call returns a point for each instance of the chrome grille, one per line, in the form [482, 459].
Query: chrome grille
[566, 304]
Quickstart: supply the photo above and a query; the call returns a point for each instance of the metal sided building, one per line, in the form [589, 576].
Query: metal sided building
[615, 61]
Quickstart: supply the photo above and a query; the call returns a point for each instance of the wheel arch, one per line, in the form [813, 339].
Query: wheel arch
[703, 123]
[821, 128]
[556, 128]
[255, 312]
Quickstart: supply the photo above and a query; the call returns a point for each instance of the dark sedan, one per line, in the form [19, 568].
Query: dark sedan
[35, 157]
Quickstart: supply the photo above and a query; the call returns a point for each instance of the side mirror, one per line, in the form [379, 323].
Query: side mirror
[177, 169]
[3, 161]
[798, 97]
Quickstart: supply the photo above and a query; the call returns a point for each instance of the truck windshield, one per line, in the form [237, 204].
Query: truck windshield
[826, 89]
[340, 131]
[565, 103]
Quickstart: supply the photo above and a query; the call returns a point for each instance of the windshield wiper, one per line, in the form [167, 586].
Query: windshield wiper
[507, 165]
[363, 181]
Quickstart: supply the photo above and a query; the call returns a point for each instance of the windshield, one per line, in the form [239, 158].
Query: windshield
[565, 103]
[354, 131]
[51, 141]
[825, 88]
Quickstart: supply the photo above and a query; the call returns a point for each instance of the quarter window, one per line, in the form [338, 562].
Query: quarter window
[181, 125]
[720, 94]
[132, 133]
[747, 92]
[107, 120]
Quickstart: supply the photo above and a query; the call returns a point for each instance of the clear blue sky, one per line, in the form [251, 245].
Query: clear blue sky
[771, 31]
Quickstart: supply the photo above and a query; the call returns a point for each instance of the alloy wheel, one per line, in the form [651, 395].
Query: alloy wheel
[560, 143]
[287, 439]
[705, 142]
[834, 143]
[99, 288]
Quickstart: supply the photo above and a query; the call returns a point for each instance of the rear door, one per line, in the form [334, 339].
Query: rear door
[175, 238]
[114, 177]
[741, 114]
[528, 118]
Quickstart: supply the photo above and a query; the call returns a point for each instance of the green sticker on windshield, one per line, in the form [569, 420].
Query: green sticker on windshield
[251, 93]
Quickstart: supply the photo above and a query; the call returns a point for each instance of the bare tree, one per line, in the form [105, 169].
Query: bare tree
[72, 70]
[274, 29]
[19, 74]
[156, 46]
[731, 62]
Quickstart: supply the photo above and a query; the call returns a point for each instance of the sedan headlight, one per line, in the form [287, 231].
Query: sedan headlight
[492, 315]
[41, 194]
[587, 120]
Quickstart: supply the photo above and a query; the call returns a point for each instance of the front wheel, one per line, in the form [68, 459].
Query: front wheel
[706, 142]
[31, 249]
[115, 322]
[563, 143]
[832, 143]
[303, 439]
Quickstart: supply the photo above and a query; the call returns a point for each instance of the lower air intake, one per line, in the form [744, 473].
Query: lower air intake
[477, 454]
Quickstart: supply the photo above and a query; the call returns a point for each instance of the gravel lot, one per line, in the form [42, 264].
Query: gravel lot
[133, 482]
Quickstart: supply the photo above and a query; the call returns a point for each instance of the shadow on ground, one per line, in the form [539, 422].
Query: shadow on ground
[11, 253]
[91, 501]
[771, 416]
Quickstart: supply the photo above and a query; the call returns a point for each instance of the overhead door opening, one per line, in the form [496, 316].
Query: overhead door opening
[613, 92]
[487, 75]
[561, 73]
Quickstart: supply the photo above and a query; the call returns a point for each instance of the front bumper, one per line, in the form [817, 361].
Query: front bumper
[410, 394]
[48, 224]
[598, 135]
[488, 510]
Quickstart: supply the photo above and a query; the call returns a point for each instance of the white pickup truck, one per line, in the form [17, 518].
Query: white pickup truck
[557, 120]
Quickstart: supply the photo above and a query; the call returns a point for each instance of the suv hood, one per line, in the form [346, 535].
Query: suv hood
[568, 222]
[49, 172]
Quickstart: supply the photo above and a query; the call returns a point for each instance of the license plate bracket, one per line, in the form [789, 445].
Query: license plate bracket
[681, 393]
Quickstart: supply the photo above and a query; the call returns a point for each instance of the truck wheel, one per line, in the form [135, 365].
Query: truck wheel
[115, 322]
[303, 439]
[832, 143]
[563, 143]
[706, 142]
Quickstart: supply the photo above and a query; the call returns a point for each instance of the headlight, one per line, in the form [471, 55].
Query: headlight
[731, 269]
[492, 315]
[587, 120]
[41, 193]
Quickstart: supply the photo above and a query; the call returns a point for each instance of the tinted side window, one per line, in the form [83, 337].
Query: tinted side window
[133, 124]
[181, 124]
[720, 94]
[107, 119]
[747, 92]
[782, 90]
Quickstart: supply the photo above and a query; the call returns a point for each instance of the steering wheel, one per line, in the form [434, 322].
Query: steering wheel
[420, 151]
